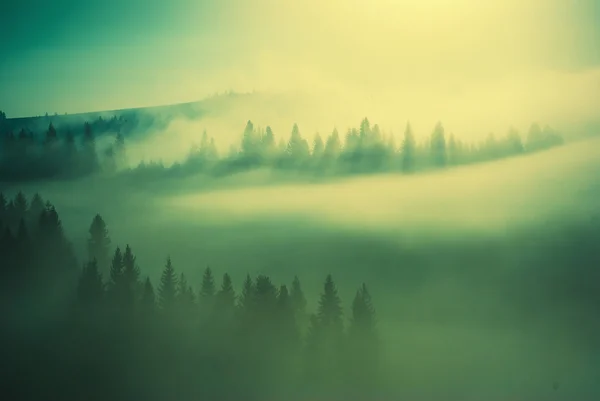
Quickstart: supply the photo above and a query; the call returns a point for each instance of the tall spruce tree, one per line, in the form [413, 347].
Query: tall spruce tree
[363, 343]
[167, 292]
[99, 243]
[131, 274]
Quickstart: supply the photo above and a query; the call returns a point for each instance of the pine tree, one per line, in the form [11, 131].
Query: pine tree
[330, 306]
[99, 243]
[131, 274]
[116, 271]
[206, 299]
[408, 150]
[268, 144]
[318, 147]
[185, 294]
[207, 288]
[365, 133]
[285, 315]
[51, 135]
[167, 292]
[148, 301]
[298, 302]
[226, 296]
[297, 148]
[438, 146]
[265, 299]
[251, 144]
[246, 300]
[326, 339]
[363, 344]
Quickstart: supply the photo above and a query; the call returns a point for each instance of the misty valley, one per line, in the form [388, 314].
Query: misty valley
[350, 268]
[329, 200]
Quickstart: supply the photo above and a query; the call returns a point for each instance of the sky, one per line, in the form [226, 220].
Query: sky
[491, 63]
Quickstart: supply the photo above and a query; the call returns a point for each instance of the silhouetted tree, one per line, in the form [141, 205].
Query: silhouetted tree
[99, 243]
[148, 300]
[363, 343]
[325, 340]
[226, 296]
[115, 283]
[438, 146]
[298, 302]
[185, 295]
[131, 274]
[297, 149]
[167, 292]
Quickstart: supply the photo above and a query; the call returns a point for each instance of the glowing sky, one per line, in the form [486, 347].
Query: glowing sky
[504, 61]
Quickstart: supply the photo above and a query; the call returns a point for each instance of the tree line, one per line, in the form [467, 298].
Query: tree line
[104, 331]
[365, 149]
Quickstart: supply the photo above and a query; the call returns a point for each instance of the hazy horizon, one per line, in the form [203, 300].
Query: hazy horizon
[390, 60]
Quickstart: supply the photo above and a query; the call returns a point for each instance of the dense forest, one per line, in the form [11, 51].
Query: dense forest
[362, 150]
[101, 330]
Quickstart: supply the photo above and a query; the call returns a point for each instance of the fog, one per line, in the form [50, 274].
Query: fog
[395, 61]
[484, 277]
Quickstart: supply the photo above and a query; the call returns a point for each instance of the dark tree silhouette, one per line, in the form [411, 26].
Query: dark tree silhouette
[99, 243]
[148, 299]
[130, 277]
[363, 343]
[167, 292]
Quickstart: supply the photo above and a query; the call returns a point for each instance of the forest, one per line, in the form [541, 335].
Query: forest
[102, 330]
[366, 149]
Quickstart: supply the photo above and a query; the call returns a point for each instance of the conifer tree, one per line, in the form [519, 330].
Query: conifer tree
[246, 301]
[265, 299]
[99, 243]
[226, 296]
[207, 291]
[131, 274]
[438, 146]
[185, 294]
[408, 150]
[115, 283]
[326, 339]
[167, 292]
[148, 301]
[268, 144]
[208, 283]
[363, 343]
[318, 147]
[298, 302]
